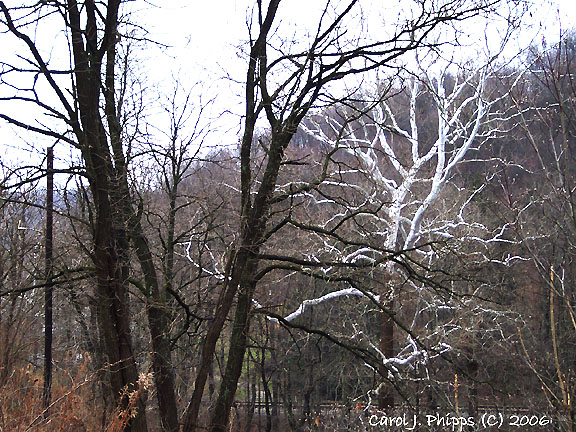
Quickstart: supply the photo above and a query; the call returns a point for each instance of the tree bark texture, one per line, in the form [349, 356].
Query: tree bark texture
[386, 393]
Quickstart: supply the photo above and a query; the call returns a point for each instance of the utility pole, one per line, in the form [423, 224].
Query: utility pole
[48, 269]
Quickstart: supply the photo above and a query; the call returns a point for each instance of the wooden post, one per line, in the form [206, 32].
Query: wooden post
[48, 269]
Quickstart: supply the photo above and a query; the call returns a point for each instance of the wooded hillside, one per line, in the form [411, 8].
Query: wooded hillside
[392, 235]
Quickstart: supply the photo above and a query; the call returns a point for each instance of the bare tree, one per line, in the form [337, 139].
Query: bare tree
[281, 87]
[92, 33]
[540, 202]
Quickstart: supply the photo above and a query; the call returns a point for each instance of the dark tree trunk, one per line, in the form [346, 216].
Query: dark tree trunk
[236, 261]
[113, 318]
[221, 413]
[386, 393]
[472, 369]
[267, 393]
[251, 394]
[159, 325]
[162, 366]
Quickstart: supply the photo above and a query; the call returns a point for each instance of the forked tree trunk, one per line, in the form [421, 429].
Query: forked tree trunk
[236, 261]
[240, 328]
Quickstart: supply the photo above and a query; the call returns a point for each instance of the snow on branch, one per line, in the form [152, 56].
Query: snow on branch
[327, 297]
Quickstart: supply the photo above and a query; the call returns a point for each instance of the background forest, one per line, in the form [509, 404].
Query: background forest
[392, 231]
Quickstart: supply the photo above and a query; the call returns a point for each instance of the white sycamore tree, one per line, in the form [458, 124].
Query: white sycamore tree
[405, 157]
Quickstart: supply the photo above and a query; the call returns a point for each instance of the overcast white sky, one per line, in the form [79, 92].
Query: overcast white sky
[206, 34]
[204, 41]
[205, 38]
